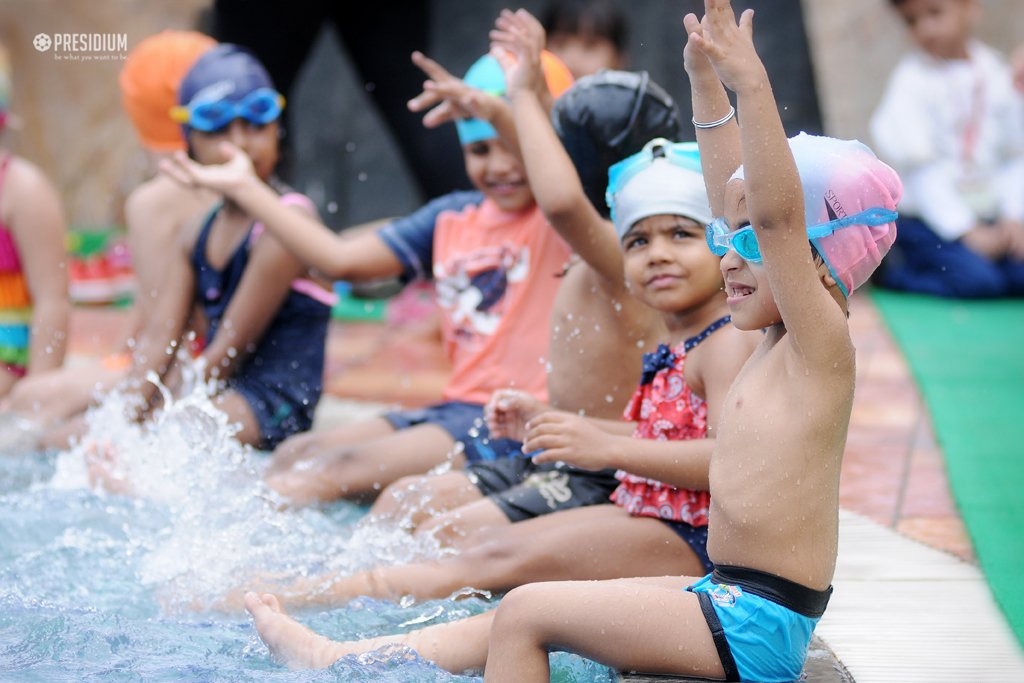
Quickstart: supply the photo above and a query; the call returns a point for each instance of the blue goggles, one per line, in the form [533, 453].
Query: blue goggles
[682, 154]
[260, 107]
[721, 238]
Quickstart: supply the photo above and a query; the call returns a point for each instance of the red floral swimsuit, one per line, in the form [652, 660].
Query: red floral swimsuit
[666, 409]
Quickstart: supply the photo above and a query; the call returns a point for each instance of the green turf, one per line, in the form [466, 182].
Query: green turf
[968, 360]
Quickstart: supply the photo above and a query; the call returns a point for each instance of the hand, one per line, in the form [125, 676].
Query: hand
[446, 97]
[508, 411]
[568, 438]
[226, 178]
[729, 46]
[987, 241]
[698, 66]
[517, 42]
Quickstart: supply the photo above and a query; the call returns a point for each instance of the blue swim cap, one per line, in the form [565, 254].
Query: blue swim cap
[224, 72]
[485, 75]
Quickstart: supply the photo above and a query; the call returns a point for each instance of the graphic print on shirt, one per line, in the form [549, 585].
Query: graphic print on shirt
[473, 288]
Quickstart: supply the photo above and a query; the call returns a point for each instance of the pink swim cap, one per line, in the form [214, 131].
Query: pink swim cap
[842, 178]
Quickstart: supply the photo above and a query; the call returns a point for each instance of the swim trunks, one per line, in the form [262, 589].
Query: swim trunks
[464, 422]
[761, 623]
[524, 490]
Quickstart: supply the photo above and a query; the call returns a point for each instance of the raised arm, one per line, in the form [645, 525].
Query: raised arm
[359, 257]
[773, 192]
[710, 106]
[553, 179]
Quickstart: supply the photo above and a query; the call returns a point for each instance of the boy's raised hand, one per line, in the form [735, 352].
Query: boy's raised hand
[447, 97]
[728, 45]
[517, 41]
[223, 178]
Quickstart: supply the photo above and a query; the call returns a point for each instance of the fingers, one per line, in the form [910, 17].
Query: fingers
[431, 68]
[747, 23]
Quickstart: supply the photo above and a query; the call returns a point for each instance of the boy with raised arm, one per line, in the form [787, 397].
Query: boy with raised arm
[774, 476]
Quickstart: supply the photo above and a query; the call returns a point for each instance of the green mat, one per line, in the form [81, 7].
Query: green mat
[968, 360]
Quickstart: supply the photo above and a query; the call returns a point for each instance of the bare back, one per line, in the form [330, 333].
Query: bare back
[597, 341]
[775, 470]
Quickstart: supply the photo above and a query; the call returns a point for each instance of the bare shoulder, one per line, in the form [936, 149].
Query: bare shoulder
[718, 359]
[26, 180]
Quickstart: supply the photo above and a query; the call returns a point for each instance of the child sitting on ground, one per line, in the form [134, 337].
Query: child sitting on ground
[952, 124]
[266, 324]
[495, 264]
[154, 211]
[774, 472]
[33, 278]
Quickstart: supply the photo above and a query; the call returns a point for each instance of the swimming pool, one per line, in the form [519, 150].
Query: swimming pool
[96, 586]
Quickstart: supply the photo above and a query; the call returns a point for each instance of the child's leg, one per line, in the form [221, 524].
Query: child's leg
[456, 646]
[239, 411]
[459, 527]
[361, 470]
[648, 625]
[596, 542]
[418, 499]
[309, 444]
[60, 393]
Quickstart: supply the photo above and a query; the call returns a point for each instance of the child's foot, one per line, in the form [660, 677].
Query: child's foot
[289, 641]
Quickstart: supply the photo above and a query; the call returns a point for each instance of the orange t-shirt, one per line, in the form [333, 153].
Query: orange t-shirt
[496, 275]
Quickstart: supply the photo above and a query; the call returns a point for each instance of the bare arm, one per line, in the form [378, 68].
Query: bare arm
[774, 193]
[711, 103]
[574, 440]
[37, 225]
[553, 178]
[358, 257]
[156, 345]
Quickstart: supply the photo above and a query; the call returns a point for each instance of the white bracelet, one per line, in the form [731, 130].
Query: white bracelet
[715, 124]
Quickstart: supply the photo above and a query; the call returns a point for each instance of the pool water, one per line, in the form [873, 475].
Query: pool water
[96, 586]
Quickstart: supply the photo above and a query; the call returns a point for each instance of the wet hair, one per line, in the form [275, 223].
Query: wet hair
[606, 117]
[601, 18]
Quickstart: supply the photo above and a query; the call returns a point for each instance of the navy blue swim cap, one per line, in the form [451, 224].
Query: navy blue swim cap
[608, 116]
[224, 72]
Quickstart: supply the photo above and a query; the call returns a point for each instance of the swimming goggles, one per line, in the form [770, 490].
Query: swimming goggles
[721, 238]
[260, 107]
[682, 154]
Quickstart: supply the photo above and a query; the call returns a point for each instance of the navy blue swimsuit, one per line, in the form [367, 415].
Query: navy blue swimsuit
[282, 378]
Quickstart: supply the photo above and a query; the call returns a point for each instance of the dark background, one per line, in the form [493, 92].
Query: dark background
[350, 163]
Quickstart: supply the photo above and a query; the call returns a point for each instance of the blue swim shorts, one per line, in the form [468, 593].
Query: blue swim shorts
[464, 422]
[761, 623]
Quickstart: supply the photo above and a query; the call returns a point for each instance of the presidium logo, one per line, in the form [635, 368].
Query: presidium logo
[83, 47]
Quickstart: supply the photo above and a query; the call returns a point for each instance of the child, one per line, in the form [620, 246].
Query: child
[33, 278]
[595, 322]
[266, 325]
[661, 213]
[153, 212]
[588, 35]
[953, 126]
[495, 265]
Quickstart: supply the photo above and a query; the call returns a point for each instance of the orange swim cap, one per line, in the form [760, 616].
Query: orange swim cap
[556, 74]
[149, 84]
